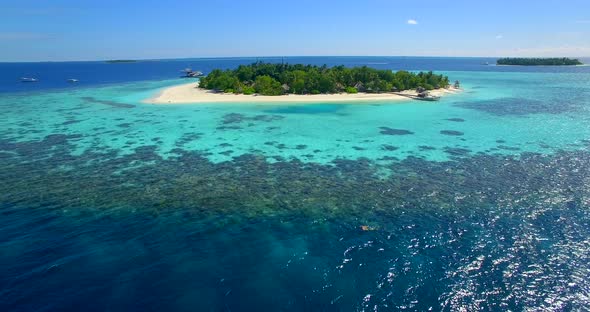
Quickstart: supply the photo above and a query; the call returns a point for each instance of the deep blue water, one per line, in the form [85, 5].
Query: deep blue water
[107, 203]
[54, 75]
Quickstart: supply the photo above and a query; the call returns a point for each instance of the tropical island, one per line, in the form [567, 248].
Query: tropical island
[273, 83]
[555, 61]
[280, 79]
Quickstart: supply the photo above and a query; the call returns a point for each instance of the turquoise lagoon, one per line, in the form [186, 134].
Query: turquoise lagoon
[477, 202]
[498, 113]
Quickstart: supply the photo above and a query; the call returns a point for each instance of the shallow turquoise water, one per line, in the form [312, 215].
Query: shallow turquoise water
[538, 117]
[476, 202]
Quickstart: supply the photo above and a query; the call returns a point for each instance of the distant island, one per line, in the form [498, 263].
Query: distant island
[564, 61]
[282, 79]
[121, 61]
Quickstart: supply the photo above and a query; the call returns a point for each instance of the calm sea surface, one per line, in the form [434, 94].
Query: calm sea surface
[108, 203]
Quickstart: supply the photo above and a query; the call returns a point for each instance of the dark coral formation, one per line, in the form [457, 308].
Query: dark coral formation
[242, 181]
[519, 106]
[387, 147]
[426, 148]
[239, 118]
[426, 221]
[455, 119]
[451, 132]
[390, 131]
[235, 121]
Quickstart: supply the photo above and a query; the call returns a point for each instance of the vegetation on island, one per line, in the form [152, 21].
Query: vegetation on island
[279, 79]
[556, 61]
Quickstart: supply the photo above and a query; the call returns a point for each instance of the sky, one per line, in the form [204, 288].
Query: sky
[75, 30]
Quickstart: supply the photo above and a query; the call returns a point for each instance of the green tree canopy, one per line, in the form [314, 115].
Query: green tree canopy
[555, 61]
[277, 79]
[267, 85]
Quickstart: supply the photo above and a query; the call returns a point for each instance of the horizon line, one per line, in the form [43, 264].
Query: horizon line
[279, 56]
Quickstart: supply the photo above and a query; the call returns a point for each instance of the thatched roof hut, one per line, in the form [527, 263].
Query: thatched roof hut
[360, 87]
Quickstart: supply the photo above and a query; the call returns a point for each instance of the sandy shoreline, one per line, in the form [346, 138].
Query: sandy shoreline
[189, 93]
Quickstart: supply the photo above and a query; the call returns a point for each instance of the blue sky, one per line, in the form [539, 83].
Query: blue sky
[93, 30]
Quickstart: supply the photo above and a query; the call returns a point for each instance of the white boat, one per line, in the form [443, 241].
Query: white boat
[189, 73]
[25, 79]
[427, 97]
[73, 80]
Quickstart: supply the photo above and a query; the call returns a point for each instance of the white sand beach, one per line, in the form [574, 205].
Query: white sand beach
[190, 93]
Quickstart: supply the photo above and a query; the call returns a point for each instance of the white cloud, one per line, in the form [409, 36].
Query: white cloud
[412, 22]
[499, 36]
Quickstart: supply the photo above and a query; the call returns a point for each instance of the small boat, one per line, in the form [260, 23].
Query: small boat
[25, 79]
[189, 73]
[421, 96]
[427, 98]
[73, 80]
